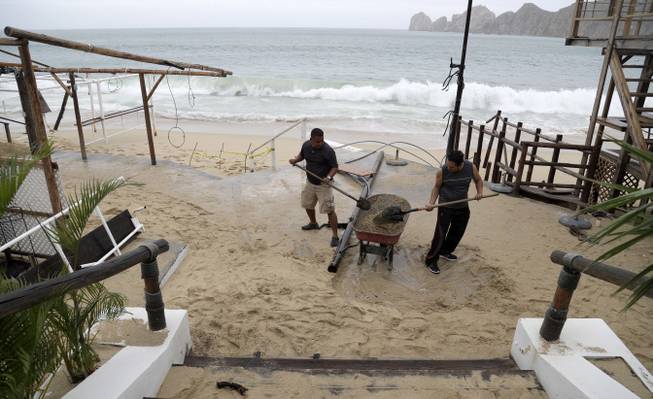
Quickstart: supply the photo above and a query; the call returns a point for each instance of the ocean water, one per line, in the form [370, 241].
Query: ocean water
[364, 80]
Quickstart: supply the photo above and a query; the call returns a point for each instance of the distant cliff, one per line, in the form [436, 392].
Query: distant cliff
[529, 20]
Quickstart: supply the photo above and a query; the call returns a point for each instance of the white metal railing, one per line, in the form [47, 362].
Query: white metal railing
[49, 222]
[271, 142]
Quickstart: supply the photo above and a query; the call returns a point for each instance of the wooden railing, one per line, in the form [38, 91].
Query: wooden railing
[519, 151]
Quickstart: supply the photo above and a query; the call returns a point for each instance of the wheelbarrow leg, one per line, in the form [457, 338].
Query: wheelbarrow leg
[391, 251]
[361, 253]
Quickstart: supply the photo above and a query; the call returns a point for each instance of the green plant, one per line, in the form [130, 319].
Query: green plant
[79, 310]
[628, 229]
[28, 350]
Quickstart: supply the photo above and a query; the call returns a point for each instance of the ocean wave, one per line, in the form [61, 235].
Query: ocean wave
[476, 96]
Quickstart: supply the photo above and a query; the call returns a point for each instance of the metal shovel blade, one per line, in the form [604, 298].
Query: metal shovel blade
[363, 204]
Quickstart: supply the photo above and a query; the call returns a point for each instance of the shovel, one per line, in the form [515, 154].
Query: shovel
[394, 214]
[362, 203]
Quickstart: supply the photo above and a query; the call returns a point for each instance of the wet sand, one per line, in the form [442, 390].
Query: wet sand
[253, 281]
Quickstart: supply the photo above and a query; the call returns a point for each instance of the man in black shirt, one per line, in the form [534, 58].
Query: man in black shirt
[321, 160]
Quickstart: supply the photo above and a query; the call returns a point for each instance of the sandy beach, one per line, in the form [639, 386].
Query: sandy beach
[254, 282]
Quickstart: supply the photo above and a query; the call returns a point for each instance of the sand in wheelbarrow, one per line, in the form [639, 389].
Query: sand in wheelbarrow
[371, 221]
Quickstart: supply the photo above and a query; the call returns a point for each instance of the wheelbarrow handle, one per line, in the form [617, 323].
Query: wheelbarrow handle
[327, 182]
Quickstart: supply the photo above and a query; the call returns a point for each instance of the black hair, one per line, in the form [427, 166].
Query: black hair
[456, 157]
[317, 132]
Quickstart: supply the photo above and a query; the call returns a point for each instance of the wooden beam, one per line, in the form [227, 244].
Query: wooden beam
[156, 84]
[9, 42]
[114, 71]
[7, 132]
[634, 127]
[61, 83]
[61, 111]
[89, 48]
[148, 121]
[78, 116]
[33, 109]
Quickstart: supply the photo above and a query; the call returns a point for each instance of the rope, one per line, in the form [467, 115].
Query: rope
[176, 126]
[191, 94]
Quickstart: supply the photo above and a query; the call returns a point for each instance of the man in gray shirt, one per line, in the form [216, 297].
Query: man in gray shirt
[451, 184]
[320, 160]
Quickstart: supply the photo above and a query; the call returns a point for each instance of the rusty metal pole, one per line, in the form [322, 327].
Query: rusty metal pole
[156, 318]
[556, 314]
[460, 84]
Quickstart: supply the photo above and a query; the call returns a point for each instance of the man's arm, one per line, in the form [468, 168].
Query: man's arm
[435, 193]
[333, 163]
[298, 158]
[478, 182]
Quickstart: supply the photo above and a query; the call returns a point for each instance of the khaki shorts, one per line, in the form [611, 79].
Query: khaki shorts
[312, 194]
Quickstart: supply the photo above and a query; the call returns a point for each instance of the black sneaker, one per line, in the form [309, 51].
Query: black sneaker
[449, 257]
[335, 241]
[311, 226]
[433, 268]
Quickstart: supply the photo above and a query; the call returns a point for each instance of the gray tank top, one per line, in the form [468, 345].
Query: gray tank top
[455, 185]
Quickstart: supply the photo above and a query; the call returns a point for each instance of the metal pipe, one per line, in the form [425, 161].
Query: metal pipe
[461, 81]
[602, 271]
[344, 241]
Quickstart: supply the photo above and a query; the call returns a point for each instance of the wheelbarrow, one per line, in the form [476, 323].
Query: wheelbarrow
[379, 238]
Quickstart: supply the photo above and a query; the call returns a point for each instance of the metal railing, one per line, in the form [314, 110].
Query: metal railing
[51, 221]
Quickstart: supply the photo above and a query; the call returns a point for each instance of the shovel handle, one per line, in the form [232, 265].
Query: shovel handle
[325, 181]
[463, 200]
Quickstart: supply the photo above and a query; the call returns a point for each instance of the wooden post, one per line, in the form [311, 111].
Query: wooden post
[61, 111]
[554, 159]
[596, 152]
[491, 143]
[148, 121]
[7, 131]
[496, 172]
[479, 147]
[520, 168]
[33, 115]
[27, 113]
[468, 140]
[529, 174]
[78, 116]
[513, 155]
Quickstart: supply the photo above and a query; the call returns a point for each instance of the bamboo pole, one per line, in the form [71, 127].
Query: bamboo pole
[113, 71]
[89, 48]
[33, 113]
[78, 116]
[148, 121]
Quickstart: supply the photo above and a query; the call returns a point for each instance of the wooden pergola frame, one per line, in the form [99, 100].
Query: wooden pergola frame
[28, 89]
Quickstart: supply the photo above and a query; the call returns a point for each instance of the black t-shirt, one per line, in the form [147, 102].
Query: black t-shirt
[319, 161]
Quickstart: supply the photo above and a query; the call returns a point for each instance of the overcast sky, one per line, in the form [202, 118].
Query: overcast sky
[384, 14]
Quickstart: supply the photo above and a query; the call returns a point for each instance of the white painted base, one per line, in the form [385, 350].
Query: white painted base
[138, 371]
[561, 366]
